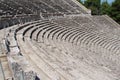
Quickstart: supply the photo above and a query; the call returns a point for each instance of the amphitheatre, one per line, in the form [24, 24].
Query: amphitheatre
[57, 40]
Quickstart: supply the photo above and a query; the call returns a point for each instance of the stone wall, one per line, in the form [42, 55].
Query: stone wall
[19, 74]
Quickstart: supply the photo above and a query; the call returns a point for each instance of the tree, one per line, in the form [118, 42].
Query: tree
[115, 11]
[105, 8]
[94, 5]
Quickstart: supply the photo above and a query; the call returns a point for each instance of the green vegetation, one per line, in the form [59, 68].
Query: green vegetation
[115, 11]
[98, 8]
[105, 8]
[94, 5]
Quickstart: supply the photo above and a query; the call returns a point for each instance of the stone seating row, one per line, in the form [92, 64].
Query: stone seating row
[54, 39]
[42, 6]
[36, 43]
[67, 32]
[83, 37]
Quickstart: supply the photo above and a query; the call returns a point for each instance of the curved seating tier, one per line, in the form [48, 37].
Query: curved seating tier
[53, 47]
[40, 6]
